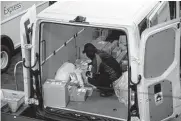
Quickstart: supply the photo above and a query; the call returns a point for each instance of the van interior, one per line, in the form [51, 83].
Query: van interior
[65, 43]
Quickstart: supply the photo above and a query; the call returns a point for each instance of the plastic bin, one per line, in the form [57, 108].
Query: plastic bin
[14, 98]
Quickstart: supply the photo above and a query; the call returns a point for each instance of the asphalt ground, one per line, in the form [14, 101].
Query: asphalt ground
[8, 79]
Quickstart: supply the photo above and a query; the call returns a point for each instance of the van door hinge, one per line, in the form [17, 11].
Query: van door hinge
[178, 25]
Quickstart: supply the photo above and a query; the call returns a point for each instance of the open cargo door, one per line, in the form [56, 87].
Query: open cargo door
[159, 90]
[27, 35]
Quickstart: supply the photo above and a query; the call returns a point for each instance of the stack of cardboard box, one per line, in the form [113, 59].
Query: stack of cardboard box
[110, 47]
[121, 56]
[123, 46]
[122, 42]
[116, 52]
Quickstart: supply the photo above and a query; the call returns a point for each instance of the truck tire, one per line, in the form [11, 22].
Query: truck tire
[5, 58]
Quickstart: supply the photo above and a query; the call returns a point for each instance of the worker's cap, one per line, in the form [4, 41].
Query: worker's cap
[89, 47]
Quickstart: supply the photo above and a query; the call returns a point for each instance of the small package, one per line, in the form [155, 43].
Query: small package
[116, 52]
[78, 94]
[122, 39]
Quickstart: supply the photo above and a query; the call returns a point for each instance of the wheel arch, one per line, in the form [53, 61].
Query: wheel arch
[7, 41]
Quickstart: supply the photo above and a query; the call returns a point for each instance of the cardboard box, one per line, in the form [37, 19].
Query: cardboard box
[121, 56]
[99, 44]
[116, 52]
[110, 46]
[123, 47]
[122, 39]
[78, 94]
[102, 38]
[114, 44]
[55, 93]
[105, 32]
[14, 98]
[107, 48]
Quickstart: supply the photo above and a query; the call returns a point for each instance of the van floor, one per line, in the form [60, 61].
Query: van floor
[101, 106]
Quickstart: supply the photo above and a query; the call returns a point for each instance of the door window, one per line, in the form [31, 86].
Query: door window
[172, 5]
[159, 53]
[142, 26]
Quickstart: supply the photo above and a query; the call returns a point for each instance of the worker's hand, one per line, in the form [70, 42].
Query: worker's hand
[89, 74]
[89, 68]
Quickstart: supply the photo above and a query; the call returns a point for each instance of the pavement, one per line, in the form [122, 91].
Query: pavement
[7, 78]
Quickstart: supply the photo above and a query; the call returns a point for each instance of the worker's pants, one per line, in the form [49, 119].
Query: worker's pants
[102, 82]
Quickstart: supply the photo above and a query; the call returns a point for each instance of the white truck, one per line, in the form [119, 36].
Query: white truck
[11, 13]
[57, 35]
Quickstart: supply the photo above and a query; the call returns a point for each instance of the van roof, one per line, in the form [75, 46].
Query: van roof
[109, 12]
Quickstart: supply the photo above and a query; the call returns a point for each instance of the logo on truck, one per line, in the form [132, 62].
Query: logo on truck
[12, 8]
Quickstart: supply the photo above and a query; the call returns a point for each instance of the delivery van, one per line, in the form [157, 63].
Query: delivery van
[146, 36]
[11, 13]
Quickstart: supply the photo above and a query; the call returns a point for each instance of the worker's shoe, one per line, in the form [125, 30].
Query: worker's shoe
[106, 94]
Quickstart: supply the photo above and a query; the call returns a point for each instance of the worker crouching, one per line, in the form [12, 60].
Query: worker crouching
[105, 70]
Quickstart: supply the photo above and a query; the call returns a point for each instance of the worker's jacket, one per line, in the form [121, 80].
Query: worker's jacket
[104, 63]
